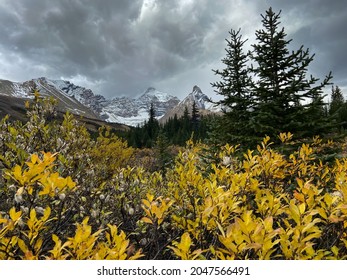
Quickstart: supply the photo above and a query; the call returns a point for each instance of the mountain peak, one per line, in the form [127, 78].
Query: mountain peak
[150, 90]
[201, 100]
[154, 95]
[196, 90]
[198, 97]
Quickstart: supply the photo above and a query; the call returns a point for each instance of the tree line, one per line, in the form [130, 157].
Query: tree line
[265, 91]
[268, 90]
[175, 131]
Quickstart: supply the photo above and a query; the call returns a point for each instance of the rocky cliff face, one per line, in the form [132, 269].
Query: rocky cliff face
[124, 110]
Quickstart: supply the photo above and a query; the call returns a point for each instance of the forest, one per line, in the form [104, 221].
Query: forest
[264, 180]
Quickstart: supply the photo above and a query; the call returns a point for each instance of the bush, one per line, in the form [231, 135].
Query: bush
[64, 195]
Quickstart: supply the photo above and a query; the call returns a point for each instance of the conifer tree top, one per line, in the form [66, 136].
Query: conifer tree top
[276, 93]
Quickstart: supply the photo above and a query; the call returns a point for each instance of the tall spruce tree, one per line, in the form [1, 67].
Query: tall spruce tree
[195, 118]
[338, 108]
[337, 100]
[151, 128]
[235, 88]
[285, 98]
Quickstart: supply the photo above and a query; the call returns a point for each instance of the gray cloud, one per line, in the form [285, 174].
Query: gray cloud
[122, 47]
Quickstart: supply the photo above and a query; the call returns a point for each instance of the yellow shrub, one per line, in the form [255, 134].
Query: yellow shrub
[86, 200]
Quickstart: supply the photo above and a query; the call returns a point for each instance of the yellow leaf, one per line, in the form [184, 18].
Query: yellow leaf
[46, 213]
[32, 214]
[322, 213]
[150, 197]
[14, 215]
[38, 244]
[22, 246]
[295, 213]
[146, 220]
[17, 173]
[34, 158]
[335, 250]
[20, 191]
[255, 246]
[220, 228]
[55, 238]
[308, 226]
[299, 196]
[185, 243]
[268, 222]
[300, 182]
[302, 208]
[146, 203]
[311, 236]
[70, 183]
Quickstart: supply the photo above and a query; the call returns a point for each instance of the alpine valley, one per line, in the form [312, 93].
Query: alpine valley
[83, 102]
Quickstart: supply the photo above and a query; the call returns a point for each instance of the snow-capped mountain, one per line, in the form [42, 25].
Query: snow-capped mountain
[81, 94]
[134, 111]
[122, 110]
[82, 101]
[202, 102]
[67, 100]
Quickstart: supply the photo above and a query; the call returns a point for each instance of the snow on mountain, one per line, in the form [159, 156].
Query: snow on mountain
[134, 111]
[81, 94]
[46, 87]
[124, 110]
[202, 101]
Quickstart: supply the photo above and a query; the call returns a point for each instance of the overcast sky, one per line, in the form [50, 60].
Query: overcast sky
[121, 47]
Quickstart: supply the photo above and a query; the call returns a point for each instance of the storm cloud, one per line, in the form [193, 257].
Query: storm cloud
[122, 47]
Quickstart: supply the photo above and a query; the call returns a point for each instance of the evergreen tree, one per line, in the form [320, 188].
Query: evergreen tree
[235, 88]
[338, 108]
[337, 100]
[285, 99]
[151, 128]
[153, 124]
[186, 130]
[161, 149]
[195, 118]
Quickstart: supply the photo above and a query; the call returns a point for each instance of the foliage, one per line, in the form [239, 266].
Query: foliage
[235, 88]
[279, 96]
[176, 130]
[64, 195]
[262, 206]
[338, 108]
[54, 166]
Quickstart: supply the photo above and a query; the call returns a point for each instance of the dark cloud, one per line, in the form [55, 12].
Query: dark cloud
[122, 47]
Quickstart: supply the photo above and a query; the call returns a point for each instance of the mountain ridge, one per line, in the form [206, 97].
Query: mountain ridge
[123, 110]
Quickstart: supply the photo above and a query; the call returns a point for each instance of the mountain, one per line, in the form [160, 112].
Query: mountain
[202, 102]
[67, 99]
[81, 101]
[134, 111]
[70, 98]
[81, 94]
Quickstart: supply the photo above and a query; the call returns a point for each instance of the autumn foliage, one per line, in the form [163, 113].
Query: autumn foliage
[66, 195]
